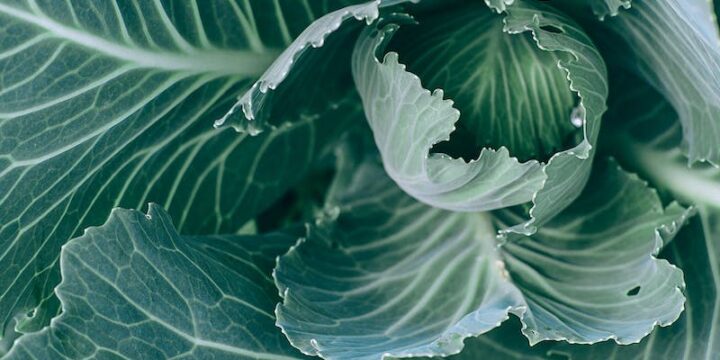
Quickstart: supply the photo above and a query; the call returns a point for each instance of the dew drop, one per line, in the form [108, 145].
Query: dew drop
[577, 117]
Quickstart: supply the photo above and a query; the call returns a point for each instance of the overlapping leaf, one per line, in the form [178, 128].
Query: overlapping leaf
[646, 137]
[107, 104]
[505, 343]
[254, 108]
[391, 276]
[384, 275]
[408, 120]
[675, 46]
[692, 336]
[567, 171]
[134, 289]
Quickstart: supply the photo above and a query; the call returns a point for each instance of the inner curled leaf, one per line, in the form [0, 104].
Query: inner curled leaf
[510, 92]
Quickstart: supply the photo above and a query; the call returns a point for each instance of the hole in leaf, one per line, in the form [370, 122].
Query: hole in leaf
[552, 29]
[634, 291]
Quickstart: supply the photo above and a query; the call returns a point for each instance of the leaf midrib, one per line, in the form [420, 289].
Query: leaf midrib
[216, 61]
[681, 180]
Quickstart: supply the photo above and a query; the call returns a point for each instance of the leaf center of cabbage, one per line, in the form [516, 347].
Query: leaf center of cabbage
[510, 92]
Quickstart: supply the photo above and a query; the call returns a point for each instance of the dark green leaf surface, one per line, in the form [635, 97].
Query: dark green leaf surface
[106, 104]
[416, 250]
[567, 171]
[134, 289]
[391, 276]
[509, 92]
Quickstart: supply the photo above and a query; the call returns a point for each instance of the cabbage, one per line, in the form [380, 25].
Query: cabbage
[359, 179]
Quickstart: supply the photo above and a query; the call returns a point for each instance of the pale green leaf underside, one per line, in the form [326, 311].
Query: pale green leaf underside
[391, 277]
[385, 275]
[675, 46]
[693, 336]
[134, 289]
[108, 104]
[646, 138]
[408, 120]
[567, 171]
[590, 274]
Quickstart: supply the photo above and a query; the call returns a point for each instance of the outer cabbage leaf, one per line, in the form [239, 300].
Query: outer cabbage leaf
[504, 343]
[106, 104]
[591, 274]
[646, 135]
[382, 275]
[695, 334]
[391, 276]
[134, 289]
[692, 336]
[255, 107]
[675, 46]
[408, 120]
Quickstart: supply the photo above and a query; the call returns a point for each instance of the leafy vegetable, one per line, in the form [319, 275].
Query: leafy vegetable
[396, 179]
[684, 71]
[647, 138]
[383, 274]
[99, 112]
[692, 336]
[134, 288]
[494, 180]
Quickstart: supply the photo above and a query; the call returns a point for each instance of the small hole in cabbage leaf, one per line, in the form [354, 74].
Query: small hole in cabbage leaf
[552, 29]
[634, 291]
